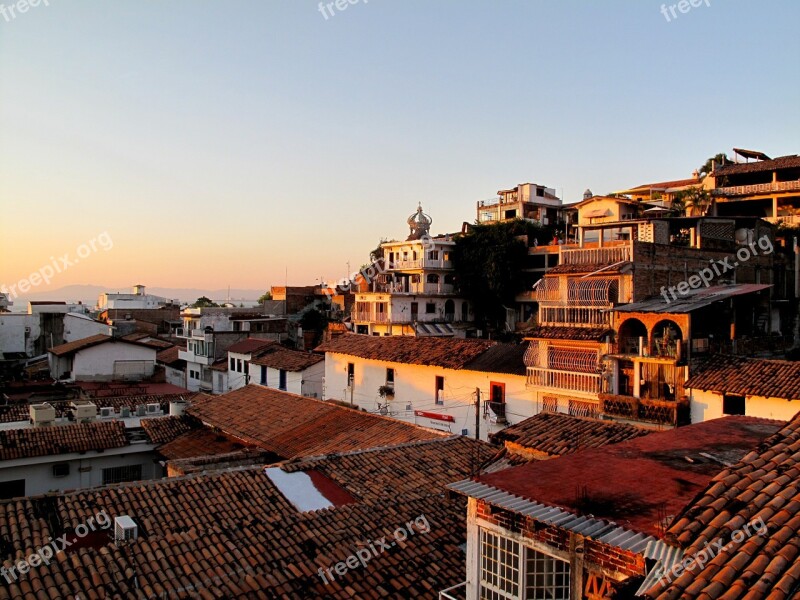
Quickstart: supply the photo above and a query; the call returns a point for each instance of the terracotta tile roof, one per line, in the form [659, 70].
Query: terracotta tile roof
[72, 347]
[250, 345]
[147, 339]
[502, 358]
[550, 434]
[21, 411]
[220, 365]
[165, 429]
[291, 425]
[233, 534]
[170, 356]
[61, 439]
[202, 442]
[664, 185]
[278, 357]
[449, 353]
[637, 482]
[761, 491]
[782, 162]
[588, 334]
[748, 376]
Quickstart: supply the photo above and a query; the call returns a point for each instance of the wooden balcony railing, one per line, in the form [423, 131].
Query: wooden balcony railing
[595, 256]
[564, 380]
[660, 412]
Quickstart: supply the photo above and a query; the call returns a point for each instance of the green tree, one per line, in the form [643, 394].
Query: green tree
[489, 262]
[264, 297]
[719, 159]
[204, 302]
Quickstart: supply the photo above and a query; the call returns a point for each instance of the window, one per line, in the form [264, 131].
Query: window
[432, 278]
[12, 489]
[390, 377]
[433, 255]
[61, 470]
[263, 375]
[238, 365]
[233, 364]
[500, 567]
[497, 391]
[439, 390]
[351, 374]
[120, 474]
[414, 255]
[509, 571]
[549, 404]
[282, 380]
[733, 405]
[430, 308]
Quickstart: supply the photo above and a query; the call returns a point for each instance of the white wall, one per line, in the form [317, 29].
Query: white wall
[38, 472]
[416, 385]
[97, 363]
[707, 405]
[77, 327]
[12, 332]
[175, 376]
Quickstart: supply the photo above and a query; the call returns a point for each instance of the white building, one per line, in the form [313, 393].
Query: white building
[79, 326]
[137, 299]
[289, 370]
[733, 385]
[102, 358]
[415, 295]
[239, 356]
[434, 382]
[50, 454]
[529, 201]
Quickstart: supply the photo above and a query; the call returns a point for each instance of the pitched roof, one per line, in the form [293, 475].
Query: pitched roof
[748, 377]
[233, 534]
[291, 425]
[278, 357]
[61, 439]
[552, 434]
[72, 347]
[782, 162]
[758, 497]
[250, 345]
[636, 483]
[147, 340]
[165, 429]
[202, 442]
[502, 358]
[587, 334]
[170, 356]
[449, 353]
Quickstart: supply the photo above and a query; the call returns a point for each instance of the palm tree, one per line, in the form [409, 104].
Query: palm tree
[697, 201]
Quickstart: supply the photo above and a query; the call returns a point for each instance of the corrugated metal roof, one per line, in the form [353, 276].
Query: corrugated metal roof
[666, 558]
[606, 532]
[692, 301]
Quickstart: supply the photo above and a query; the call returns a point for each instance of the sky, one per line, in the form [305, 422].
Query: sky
[252, 142]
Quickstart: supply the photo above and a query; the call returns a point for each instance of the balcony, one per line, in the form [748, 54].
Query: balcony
[423, 263]
[659, 412]
[190, 356]
[757, 188]
[194, 334]
[563, 380]
[571, 316]
[415, 289]
[607, 255]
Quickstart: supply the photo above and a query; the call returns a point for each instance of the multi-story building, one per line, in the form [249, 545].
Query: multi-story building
[605, 297]
[415, 295]
[767, 188]
[528, 201]
[138, 299]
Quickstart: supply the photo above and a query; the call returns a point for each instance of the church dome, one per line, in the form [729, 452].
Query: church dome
[419, 223]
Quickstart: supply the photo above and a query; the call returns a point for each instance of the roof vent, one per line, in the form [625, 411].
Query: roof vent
[125, 529]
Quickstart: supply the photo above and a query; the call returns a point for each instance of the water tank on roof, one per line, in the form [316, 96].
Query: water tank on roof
[744, 236]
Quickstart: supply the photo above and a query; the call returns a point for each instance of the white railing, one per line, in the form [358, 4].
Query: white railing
[564, 380]
[595, 256]
[757, 188]
[574, 315]
[448, 595]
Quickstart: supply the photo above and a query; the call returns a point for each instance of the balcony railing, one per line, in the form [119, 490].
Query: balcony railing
[196, 334]
[595, 256]
[456, 592]
[569, 316]
[757, 188]
[564, 380]
[660, 412]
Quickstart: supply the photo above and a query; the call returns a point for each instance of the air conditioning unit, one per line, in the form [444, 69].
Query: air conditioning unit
[125, 529]
[154, 409]
[465, 432]
[125, 412]
[107, 411]
[83, 411]
[42, 414]
[141, 410]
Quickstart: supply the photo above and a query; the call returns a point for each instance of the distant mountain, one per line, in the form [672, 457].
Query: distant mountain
[87, 294]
